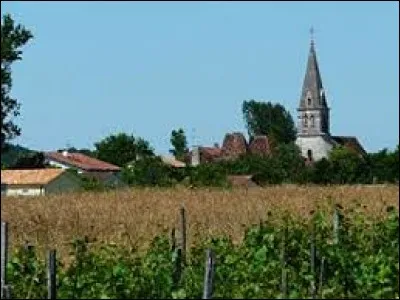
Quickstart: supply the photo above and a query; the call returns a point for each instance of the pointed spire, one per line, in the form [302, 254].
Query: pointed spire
[312, 85]
[312, 35]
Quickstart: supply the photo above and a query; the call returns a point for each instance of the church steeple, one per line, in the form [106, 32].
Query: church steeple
[313, 109]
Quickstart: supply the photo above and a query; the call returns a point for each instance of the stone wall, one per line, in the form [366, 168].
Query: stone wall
[319, 145]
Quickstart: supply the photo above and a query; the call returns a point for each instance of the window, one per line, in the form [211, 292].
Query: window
[312, 120]
[309, 101]
[322, 97]
[309, 155]
[305, 121]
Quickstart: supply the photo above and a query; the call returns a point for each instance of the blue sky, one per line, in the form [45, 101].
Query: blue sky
[146, 68]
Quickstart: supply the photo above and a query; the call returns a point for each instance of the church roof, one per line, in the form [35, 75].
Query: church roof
[350, 142]
[312, 80]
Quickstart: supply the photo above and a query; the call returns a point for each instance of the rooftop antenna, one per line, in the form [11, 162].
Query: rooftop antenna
[194, 138]
[312, 34]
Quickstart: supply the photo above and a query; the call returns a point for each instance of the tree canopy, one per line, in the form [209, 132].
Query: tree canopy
[33, 160]
[179, 144]
[13, 38]
[120, 149]
[266, 118]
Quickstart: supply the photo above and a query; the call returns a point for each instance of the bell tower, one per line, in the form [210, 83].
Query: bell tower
[313, 134]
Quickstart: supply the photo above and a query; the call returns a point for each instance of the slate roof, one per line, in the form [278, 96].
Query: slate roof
[312, 81]
[350, 142]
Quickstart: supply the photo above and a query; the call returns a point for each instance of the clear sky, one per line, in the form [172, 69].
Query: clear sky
[149, 67]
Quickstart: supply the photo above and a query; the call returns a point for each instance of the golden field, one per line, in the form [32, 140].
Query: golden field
[135, 216]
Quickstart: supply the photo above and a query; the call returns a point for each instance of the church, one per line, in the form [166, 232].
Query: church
[313, 132]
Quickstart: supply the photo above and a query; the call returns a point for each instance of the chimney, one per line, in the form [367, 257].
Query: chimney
[195, 159]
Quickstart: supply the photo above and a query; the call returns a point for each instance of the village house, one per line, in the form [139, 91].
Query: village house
[35, 182]
[85, 165]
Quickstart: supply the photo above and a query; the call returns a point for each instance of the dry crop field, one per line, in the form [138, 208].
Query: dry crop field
[135, 216]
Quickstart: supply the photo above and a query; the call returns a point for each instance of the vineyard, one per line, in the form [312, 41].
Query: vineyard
[279, 242]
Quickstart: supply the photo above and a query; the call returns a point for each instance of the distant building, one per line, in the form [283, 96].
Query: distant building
[35, 182]
[234, 145]
[313, 135]
[88, 166]
[313, 129]
[172, 161]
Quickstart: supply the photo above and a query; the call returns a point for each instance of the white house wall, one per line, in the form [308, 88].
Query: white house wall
[62, 184]
[23, 190]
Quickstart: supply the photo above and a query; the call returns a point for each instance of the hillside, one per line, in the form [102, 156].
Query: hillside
[11, 155]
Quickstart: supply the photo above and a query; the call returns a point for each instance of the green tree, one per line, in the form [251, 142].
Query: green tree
[291, 162]
[209, 174]
[385, 165]
[84, 151]
[396, 164]
[321, 171]
[120, 149]
[13, 38]
[149, 171]
[348, 167]
[33, 160]
[273, 120]
[179, 142]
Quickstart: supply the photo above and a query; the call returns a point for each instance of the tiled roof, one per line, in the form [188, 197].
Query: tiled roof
[260, 145]
[209, 154]
[234, 144]
[211, 150]
[81, 161]
[350, 142]
[31, 176]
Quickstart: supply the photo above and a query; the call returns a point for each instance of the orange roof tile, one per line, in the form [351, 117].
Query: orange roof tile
[81, 161]
[31, 176]
[211, 151]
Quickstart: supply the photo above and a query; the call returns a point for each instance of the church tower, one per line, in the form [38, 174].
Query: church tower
[313, 111]
[313, 134]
